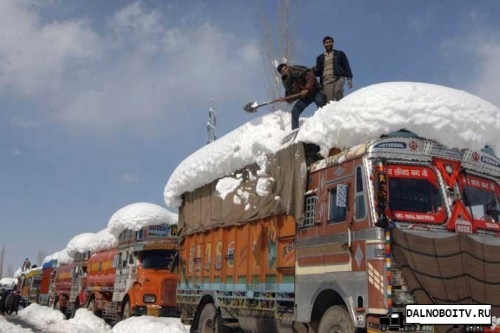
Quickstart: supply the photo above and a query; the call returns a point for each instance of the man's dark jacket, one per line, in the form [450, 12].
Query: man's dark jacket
[341, 67]
[298, 79]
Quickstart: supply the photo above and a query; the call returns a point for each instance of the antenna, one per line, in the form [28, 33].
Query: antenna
[211, 129]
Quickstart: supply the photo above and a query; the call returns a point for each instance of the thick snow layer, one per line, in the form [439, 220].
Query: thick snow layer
[138, 215]
[453, 117]
[61, 257]
[132, 217]
[93, 242]
[8, 282]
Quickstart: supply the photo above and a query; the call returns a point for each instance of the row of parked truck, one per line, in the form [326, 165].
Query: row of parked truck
[133, 278]
[354, 236]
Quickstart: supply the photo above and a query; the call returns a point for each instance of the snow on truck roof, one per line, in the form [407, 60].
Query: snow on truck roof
[138, 215]
[452, 117]
[132, 217]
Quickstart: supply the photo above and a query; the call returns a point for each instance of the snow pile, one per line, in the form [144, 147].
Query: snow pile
[150, 324]
[45, 319]
[54, 321]
[93, 242]
[454, 118]
[60, 257]
[8, 283]
[6, 326]
[224, 156]
[138, 215]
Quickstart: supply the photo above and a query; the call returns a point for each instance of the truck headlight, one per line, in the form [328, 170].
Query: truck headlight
[149, 298]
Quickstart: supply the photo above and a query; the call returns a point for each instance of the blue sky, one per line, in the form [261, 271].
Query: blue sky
[101, 100]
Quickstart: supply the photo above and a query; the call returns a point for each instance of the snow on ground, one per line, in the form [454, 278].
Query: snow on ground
[8, 282]
[53, 321]
[46, 319]
[453, 117]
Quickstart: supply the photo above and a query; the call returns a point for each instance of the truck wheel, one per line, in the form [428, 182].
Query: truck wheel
[383, 327]
[126, 310]
[73, 311]
[57, 305]
[91, 306]
[210, 321]
[336, 319]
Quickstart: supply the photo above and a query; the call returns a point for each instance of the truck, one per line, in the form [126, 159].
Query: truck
[77, 281]
[60, 286]
[135, 278]
[342, 241]
[29, 286]
[48, 271]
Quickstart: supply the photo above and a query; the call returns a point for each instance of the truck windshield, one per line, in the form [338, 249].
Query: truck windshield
[414, 194]
[480, 195]
[157, 259]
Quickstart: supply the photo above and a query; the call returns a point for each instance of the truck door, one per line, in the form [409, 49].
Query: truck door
[337, 228]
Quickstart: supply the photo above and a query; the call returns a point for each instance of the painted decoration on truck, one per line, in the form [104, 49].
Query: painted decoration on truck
[218, 255]
[230, 254]
[272, 252]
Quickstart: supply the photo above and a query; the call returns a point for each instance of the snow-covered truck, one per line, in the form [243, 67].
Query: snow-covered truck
[48, 271]
[336, 243]
[135, 278]
[29, 285]
[60, 287]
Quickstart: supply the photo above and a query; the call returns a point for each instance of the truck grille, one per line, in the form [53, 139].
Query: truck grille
[168, 292]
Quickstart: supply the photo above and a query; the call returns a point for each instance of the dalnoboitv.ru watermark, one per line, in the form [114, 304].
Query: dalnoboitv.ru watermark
[457, 314]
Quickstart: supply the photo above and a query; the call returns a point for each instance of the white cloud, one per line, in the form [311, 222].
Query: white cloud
[487, 80]
[473, 55]
[37, 57]
[27, 123]
[17, 152]
[128, 178]
[138, 74]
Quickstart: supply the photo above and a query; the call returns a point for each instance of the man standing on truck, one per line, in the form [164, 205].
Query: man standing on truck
[333, 69]
[300, 81]
[26, 265]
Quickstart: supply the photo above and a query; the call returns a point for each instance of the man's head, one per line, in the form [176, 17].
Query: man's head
[282, 69]
[328, 43]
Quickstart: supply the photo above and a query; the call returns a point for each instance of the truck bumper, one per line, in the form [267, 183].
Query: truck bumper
[162, 312]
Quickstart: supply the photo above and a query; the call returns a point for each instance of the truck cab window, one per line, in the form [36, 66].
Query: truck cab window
[157, 259]
[479, 195]
[413, 195]
[338, 208]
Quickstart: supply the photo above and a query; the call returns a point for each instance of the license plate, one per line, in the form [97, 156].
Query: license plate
[153, 312]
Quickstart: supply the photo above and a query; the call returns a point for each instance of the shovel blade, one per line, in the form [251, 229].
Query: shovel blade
[251, 107]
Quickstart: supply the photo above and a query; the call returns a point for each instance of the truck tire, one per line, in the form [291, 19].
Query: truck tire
[57, 305]
[126, 310]
[76, 306]
[336, 319]
[210, 321]
[383, 327]
[91, 306]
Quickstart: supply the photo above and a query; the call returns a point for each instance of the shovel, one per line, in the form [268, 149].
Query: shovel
[252, 107]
